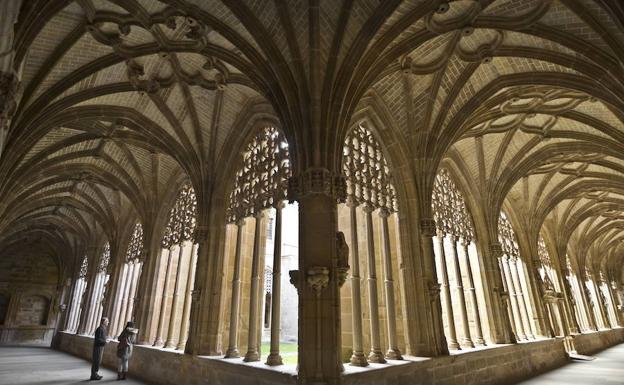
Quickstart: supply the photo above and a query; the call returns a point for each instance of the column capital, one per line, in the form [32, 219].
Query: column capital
[384, 212]
[428, 227]
[200, 234]
[317, 180]
[352, 201]
[496, 250]
[8, 94]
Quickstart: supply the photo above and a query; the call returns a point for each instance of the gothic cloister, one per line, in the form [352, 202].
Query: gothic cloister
[314, 191]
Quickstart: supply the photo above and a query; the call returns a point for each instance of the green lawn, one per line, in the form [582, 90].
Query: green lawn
[287, 350]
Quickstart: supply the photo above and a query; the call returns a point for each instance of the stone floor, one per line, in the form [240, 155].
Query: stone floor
[606, 369]
[41, 365]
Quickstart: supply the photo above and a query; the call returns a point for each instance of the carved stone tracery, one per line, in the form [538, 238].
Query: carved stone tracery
[104, 259]
[182, 218]
[449, 208]
[135, 246]
[368, 177]
[262, 179]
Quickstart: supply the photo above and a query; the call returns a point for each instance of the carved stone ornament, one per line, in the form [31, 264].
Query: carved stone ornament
[8, 91]
[294, 278]
[317, 181]
[428, 227]
[496, 250]
[318, 278]
[434, 291]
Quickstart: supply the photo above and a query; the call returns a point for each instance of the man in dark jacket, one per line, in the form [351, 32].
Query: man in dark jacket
[98, 348]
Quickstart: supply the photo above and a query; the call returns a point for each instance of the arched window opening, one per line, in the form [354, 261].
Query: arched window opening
[99, 288]
[128, 283]
[4, 307]
[455, 255]
[368, 222]
[551, 290]
[514, 281]
[177, 272]
[262, 239]
[77, 300]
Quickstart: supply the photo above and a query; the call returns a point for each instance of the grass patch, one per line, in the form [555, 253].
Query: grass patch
[287, 350]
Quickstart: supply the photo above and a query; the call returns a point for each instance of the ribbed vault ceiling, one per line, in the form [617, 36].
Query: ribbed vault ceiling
[122, 98]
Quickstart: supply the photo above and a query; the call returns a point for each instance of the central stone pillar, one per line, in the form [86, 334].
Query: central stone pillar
[318, 190]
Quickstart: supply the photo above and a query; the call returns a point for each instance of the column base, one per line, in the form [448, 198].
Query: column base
[181, 345]
[453, 345]
[479, 341]
[274, 359]
[376, 357]
[170, 345]
[358, 359]
[467, 343]
[393, 354]
[232, 353]
[159, 342]
[252, 356]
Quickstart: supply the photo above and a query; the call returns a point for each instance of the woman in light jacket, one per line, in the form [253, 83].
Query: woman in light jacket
[124, 349]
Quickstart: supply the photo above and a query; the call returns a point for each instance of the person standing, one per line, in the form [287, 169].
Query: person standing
[99, 342]
[124, 349]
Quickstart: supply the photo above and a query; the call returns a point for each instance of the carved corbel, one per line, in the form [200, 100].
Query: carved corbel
[317, 278]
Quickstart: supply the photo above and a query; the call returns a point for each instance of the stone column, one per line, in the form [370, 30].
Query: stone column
[611, 286]
[317, 190]
[186, 310]
[118, 305]
[146, 310]
[172, 333]
[375, 354]
[601, 305]
[515, 307]
[9, 11]
[427, 232]
[163, 303]
[274, 357]
[503, 323]
[357, 358]
[473, 296]
[126, 297]
[91, 310]
[393, 352]
[568, 302]
[467, 341]
[232, 351]
[446, 294]
[71, 308]
[253, 349]
[138, 267]
[524, 312]
[589, 306]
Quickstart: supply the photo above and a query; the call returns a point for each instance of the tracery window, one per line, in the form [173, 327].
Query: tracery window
[514, 281]
[178, 262]
[77, 298]
[99, 288]
[370, 211]
[128, 282]
[455, 232]
[256, 202]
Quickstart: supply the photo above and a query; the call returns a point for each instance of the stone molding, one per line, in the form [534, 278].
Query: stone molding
[315, 181]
